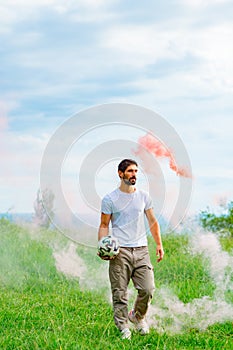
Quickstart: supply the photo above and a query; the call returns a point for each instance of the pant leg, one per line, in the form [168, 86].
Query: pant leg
[120, 270]
[143, 279]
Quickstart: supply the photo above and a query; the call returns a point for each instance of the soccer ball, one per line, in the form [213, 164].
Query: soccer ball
[108, 247]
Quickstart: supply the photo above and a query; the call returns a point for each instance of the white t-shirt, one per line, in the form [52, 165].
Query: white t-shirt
[128, 216]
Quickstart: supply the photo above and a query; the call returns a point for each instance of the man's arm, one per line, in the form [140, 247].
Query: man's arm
[103, 231]
[155, 231]
[104, 225]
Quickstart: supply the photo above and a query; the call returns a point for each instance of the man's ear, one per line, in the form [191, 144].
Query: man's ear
[120, 173]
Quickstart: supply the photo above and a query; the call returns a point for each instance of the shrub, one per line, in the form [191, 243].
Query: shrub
[218, 223]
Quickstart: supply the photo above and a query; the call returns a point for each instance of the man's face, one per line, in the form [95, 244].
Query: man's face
[130, 174]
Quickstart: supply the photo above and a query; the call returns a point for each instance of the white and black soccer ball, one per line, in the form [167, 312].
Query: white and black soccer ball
[108, 246]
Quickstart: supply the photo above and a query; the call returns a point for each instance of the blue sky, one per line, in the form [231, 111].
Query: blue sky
[59, 57]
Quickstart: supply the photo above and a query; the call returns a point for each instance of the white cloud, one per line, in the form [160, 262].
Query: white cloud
[138, 46]
[142, 47]
[213, 46]
[202, 3]
[3, 118]
[20, 170]
[118, 53]
[14, 11]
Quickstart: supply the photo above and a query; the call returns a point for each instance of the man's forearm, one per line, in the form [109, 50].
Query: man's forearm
[103, 231]
[155, 231]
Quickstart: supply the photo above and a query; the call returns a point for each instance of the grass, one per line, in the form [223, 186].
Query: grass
[43, 309]
[181, 271]
[227, 243]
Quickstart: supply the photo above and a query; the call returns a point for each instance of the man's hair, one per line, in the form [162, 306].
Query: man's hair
[125, 163]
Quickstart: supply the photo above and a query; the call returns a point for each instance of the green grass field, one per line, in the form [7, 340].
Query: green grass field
[42, 308]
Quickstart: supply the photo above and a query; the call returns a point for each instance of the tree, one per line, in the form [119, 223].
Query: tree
[218, 223]
[43, 207]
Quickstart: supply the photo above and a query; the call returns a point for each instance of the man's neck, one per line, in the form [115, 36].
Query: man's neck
[126, 188]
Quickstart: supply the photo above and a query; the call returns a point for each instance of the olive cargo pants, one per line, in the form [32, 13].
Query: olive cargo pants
[131, 263]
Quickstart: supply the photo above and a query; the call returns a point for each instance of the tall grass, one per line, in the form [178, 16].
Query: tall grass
[42, 308]
[181, 271]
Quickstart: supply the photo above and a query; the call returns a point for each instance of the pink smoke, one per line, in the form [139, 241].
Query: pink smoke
[159, 150]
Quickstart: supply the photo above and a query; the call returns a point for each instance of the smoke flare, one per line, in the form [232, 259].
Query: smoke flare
[159, 150]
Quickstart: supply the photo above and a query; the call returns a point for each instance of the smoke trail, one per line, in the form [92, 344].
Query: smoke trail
[83, 264]
[221, 263]
[69, 263]
[159, 150]
[73, 260]
[171, 315]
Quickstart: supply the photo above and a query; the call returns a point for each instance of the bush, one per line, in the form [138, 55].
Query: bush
[218, 223]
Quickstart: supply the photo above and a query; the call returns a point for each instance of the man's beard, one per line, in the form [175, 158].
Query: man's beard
[130, 182]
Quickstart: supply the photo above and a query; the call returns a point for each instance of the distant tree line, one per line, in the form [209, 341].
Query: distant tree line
[222, 223]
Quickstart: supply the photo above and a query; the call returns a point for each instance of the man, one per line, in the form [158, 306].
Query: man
[126, 208]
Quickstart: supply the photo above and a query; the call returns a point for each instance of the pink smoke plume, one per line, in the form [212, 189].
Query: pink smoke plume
[159, 150]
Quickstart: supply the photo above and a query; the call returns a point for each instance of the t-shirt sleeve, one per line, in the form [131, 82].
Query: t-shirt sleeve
[106, 206]
[148, 202]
